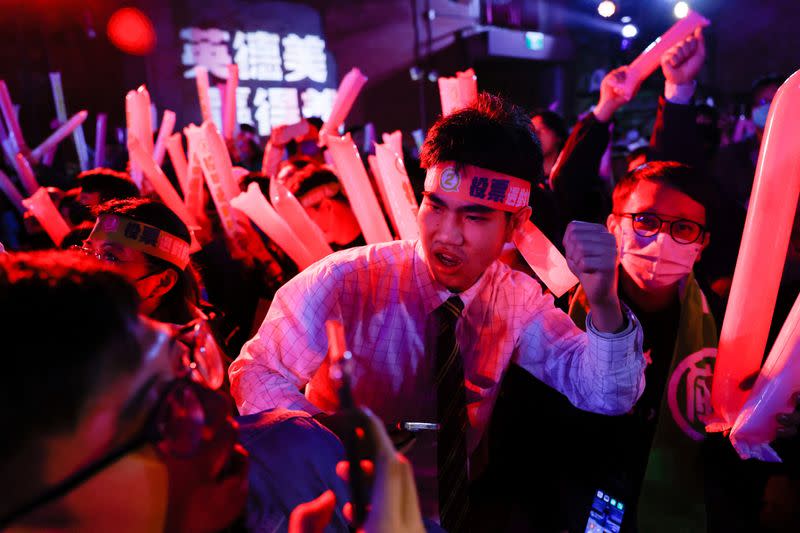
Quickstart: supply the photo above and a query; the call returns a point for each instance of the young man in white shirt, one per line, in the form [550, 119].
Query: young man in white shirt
[392, 297]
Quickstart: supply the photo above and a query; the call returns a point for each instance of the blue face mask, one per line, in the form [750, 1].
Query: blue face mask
[760, 115]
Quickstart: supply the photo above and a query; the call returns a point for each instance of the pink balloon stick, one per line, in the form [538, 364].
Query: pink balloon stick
[229, 110]
[762, 254]
[100, 140]
[356, 183]
[45, 211]
[11, 192]
[164, 131]
[59, 135]
[7, 108]
[26, 175]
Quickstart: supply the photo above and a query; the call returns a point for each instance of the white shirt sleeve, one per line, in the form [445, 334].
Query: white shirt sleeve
[597, 372]
[289, 348]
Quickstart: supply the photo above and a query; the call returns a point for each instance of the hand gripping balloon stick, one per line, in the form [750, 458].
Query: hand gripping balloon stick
[164, 131]
[26, 175]
[458, 92]
[47, 214]
[351, 85]
[649, 60]
[298, 220]
[57, 136]
[341, 361]
[11, 192]
[253, 204]
[174, 145]
[761, 256]
[61, 114]
[15, 132]
[281, 136]
[756, 426]
[545, 259]
[100, 140]
[401, 201]
[359, 191]
[201, 74]
[229, 109]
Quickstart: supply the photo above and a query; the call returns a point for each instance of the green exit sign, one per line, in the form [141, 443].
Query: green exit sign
[534, 40]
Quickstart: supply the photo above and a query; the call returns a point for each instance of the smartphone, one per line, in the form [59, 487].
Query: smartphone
[606, 514]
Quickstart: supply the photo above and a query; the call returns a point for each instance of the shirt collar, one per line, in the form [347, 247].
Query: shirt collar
[433, 293]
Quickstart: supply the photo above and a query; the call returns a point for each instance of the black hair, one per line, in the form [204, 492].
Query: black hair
[77, 235]
[317, 122]
[109, 184]
[492, 133]
[554, 123]
[762, 83]
[67, 336]
[312, 176]
[180, 304]
[636, 152]
[75, 212]
[677, 176]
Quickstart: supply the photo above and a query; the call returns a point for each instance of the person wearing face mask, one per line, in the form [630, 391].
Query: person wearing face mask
[651, 458]
[735, 165]
[733, 170]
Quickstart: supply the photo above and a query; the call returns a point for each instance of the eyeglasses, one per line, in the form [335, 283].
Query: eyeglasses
[681, 230]
[106, 257]
[187, 414]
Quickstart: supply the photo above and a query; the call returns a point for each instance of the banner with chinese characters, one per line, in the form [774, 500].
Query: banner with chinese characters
[285, 69]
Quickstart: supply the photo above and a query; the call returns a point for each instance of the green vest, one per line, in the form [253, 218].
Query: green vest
[672, 497]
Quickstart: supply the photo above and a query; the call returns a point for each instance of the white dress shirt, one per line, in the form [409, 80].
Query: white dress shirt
[383, 294]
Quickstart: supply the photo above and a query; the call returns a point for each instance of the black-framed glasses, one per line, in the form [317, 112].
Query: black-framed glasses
[186, 414]
[682, 231]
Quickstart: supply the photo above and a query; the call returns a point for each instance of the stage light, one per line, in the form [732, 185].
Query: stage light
[629, 31]
[681, 9]
[131, 31]
[606, 8]
[626, 19]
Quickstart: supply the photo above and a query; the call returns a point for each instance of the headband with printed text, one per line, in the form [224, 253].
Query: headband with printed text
[143, 237]
[478, 185]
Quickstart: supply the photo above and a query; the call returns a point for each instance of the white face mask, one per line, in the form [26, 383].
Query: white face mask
[655, 262]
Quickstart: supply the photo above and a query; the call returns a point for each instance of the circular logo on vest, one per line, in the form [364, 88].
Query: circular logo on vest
[450, 180]
[689, 392]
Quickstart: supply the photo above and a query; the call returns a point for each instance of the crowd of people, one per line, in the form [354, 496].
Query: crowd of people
[158, 385]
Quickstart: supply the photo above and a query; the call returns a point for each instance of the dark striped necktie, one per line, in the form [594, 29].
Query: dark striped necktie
[452, 414]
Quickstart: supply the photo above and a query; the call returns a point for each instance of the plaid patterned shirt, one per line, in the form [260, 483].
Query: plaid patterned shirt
[383, 294]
